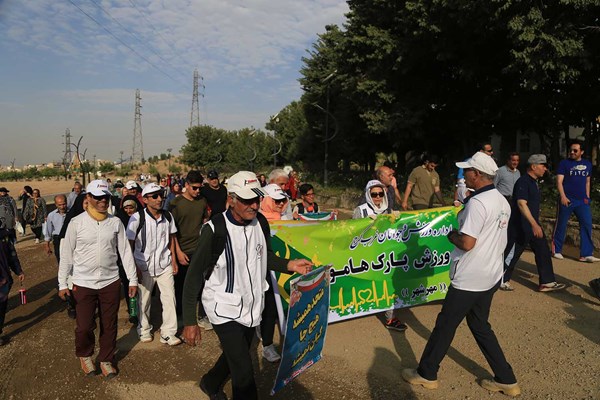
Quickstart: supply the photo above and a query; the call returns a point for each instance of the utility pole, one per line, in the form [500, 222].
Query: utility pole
[137, 154]
[195, 114]
[68, 158]
[169, 150]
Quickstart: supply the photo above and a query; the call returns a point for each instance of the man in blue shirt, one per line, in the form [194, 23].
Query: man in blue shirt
[573, 180]
[524, 227]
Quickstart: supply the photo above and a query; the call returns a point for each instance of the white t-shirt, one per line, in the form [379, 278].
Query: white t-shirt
[485, 218]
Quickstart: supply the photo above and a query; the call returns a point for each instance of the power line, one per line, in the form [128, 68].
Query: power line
[136, 37]
[123, 43]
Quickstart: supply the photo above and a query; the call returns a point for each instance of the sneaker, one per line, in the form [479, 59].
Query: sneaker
[4, 341]
[170, 340]
[37, 241]
[270, 354]
[146, 338]
[87, 365]
[512, 389]
[215, 396]
[205, 324]
[595, 285]
[108, 370]
[71, 313]
[507, 287]
[396, 325]
[558, 256]
[412, 376]
[550, 287]
[589, 259]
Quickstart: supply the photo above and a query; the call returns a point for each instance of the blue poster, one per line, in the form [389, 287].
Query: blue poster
[306, 325]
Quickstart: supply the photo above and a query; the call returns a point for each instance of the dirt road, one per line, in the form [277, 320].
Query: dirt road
[552, 341]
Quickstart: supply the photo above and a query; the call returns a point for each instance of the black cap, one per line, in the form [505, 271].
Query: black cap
[213, 174]
[3, 189]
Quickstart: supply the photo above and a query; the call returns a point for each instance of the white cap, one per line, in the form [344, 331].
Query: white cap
[98, 188]
[481, 162]
[131, 185]
[151, 188]
[373, 183]
[245, 184]
[287, 169]
[274, 191]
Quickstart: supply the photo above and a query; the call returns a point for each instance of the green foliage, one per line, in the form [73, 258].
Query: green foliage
[175, 169]
[163, 156]
[106, 167]
[152, 170]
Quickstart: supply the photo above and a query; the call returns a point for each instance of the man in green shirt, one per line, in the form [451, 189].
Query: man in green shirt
[423, 183]
[190, 211]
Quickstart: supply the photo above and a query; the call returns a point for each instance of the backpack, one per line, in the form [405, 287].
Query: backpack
[220, 238]
[301, 208]
[142, 225]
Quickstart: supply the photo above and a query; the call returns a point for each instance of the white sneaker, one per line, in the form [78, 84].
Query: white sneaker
[270, 354]
[170, 340]
[37, 241]
[146, 338]
[558, 256]
[205, 324]
[589, 259]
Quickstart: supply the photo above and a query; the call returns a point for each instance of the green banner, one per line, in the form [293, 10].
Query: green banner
[394, 261]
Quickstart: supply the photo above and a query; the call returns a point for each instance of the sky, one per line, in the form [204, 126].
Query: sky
[76, 64]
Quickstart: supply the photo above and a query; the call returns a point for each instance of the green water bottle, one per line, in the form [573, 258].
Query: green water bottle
[133, 306]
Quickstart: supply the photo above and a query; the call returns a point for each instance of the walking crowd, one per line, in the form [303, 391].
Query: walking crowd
[205, 243]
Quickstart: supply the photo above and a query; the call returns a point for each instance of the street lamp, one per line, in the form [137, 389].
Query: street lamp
[169, 158]
[275, 120]
[251, 160]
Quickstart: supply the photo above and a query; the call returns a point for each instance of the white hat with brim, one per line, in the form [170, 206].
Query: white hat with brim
[151, 188]
[274, 191]
[131, 185]
[245, 185]
[98, 188]
[481, 162]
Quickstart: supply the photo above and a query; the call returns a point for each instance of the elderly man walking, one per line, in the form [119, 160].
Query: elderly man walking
[232, 289]
[92, 244]
[475, 276]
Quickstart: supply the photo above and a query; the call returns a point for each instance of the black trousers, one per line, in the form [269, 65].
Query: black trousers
[475, 306]
[269, 315]
[179, 281]
[541, 251]
[4, 304]
[56, 244]
[235, 361]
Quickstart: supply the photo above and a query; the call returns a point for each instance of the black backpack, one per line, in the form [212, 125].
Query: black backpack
[142, 225]
[220, 238]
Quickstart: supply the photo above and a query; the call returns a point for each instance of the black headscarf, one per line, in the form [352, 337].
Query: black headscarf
[121, 214]
[74, 211]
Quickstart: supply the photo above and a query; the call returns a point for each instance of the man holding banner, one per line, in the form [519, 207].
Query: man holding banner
[475, 274]
[229, 267]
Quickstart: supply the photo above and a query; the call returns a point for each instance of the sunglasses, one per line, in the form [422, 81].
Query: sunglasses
[248, 202]
[573, 151]
[195, 188]
[377, 194]
[279, 201]
[156, 195]
[100, 198]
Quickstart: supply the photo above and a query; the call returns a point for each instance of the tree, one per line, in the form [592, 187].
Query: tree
[106, 167]
[203, 146]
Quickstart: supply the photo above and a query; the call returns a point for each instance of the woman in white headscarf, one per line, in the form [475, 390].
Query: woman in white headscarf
[376, 201]
[377, 204]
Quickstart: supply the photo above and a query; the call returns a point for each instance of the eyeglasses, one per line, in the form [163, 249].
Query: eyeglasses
[573, 151]
[195, 188]
[488, 151]
[156, 195]
[100, 198]
[377, 194]
[280, 201]
[309, 194]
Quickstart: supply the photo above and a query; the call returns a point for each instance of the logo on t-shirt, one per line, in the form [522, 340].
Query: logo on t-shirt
[503, 218]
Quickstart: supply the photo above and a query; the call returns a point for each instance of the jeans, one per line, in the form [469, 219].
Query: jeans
[584, 216]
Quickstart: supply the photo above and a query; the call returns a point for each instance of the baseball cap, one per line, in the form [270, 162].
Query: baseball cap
[372, 183]
[3, 189]
[131, 185]
[97, 188]
[151, 188]
[481, 162]
[274, 191]
[245, 184]
[213, 174]
[537, 159]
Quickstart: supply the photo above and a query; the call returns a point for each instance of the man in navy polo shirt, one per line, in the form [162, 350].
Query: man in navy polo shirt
[524, 228]
[573, 181]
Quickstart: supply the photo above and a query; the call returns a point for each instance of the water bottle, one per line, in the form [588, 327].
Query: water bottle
[23, 295]
[133, 307]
